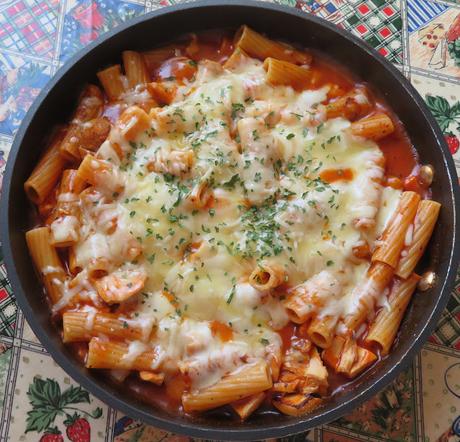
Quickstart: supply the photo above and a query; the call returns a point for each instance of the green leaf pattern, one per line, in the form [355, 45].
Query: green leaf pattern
[445, 114]
[48, 402]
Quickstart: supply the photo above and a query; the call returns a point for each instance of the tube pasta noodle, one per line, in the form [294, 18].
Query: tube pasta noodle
[155, 57]
[236, 59]
[87, 136]
[47, 172]
[385, 326]
[281, 72]
[135, 69]
[154, 378]
[365, 294]
[218, 223]
[70, 184]
[46, 261]
[267, 276]
[98, 268]
[179, 162]
[120, 286]
[297, 404]
[247, 381]
[425, 220]
[100, 173]
[86, 128]
[304, 299]
[348, 358]
[351, 106]
[162, 92]
[374, 127]
[112, 81]
[74, 267]
[83, 325]
[256, 45]
[120, 356]
[393, 237]
[302, 374]
[321, 330]
[65, 220]
[246, 406]
[200, 195]
[89, 105]
[133, 121]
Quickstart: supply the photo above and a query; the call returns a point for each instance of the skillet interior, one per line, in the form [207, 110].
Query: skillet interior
[55, 105]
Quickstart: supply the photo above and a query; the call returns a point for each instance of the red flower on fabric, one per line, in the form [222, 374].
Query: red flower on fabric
[89, 16]
[88, 36]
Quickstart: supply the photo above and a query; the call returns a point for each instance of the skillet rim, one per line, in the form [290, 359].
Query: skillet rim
[196, 429]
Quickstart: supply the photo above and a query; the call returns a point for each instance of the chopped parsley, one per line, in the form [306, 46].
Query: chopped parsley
[236, 109]
[231, 295]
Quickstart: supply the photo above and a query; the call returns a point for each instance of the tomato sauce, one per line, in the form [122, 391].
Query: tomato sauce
[221, 330]
[211, 45]
[177, 68]
[333, 175]
[400, 156]
[327, 72]
[286, 334]
[154, 395]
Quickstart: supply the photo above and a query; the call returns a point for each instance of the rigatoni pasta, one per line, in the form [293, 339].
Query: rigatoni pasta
[419, 235]
[247, 381]
[218, 222]
[393, 237]
[46, 261]
[112, 81]
[135, 68]
[285, 73]
[47, 172]
[385, 326]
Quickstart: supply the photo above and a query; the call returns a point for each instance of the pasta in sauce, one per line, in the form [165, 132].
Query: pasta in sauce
[229, 221]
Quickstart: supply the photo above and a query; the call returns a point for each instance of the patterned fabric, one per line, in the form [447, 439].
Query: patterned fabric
[421, 13]
[39, 402]
[8, 306]
[30, 27]
[448, 330]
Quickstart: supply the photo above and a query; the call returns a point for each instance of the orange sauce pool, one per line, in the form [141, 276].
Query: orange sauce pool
[333, 175]
[286, 334]
[400, 156]
[328, 72]
[223, 331]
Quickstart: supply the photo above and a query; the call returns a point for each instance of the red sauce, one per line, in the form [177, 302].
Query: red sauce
[400, 156]
[153, 395]
[212, 45]
[332, 175]
[176, 386]
[178, 68]
[286, 334]
[222, 331]
[79, 350]
[327, 72]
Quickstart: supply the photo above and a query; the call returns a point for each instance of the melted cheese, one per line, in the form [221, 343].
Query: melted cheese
[259, 150]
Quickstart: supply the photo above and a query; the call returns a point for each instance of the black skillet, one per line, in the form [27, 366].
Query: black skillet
[57, 101]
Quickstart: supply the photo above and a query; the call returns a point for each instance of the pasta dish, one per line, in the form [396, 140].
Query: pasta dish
[230, 221]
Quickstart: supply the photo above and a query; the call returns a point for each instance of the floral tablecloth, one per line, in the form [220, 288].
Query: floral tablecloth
[39, 402]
